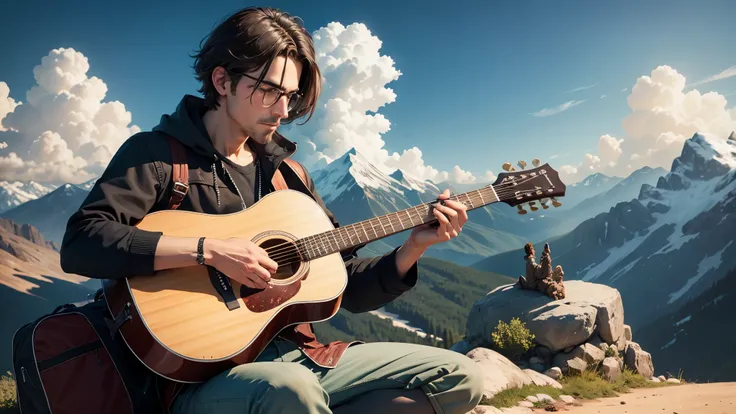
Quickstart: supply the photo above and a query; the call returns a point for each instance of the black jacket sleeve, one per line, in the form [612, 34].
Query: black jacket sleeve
[372, 281]
[100, 240]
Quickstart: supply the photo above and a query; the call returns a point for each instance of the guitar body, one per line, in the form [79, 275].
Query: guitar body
[185, 329]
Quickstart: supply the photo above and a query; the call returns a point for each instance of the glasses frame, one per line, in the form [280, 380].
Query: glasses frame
[292, 104]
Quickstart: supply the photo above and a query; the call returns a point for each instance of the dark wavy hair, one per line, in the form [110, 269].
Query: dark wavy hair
[251, 38]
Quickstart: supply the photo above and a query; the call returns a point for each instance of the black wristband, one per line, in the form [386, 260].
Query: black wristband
[200, 251]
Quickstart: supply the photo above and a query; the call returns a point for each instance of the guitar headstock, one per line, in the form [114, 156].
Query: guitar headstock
[517, 188]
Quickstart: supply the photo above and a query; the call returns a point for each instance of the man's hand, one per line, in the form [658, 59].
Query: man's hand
[451, 217]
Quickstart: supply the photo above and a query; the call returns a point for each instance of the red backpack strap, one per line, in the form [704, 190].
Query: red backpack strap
[179, 173]
[278, 181]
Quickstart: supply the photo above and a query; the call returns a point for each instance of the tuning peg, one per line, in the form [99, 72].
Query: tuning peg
[536, 162]
[543, 204]
[508, 167]
[521, 164]
[556, 203]
[532, 206]
[521, 209]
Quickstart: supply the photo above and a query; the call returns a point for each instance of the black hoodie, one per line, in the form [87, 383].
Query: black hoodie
[101, 241]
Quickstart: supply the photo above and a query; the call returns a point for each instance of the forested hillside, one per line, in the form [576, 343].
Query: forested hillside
[438, 304]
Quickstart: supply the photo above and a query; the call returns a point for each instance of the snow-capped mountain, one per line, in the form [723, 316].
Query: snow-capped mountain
[598, 202]
[49, 213]
[15, 193]
[354, 190]
[662, 248]
[590, 186]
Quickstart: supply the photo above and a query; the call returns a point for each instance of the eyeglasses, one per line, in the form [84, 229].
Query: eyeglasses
[274, 93]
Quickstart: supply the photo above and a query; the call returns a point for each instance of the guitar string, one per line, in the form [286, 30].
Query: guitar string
[279, 248]
[290, 250]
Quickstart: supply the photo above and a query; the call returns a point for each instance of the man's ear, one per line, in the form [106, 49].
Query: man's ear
[221, 80]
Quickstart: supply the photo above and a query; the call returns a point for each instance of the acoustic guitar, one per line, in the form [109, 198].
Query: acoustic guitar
[189, 324]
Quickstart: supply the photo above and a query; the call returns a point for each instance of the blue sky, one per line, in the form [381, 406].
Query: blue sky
[473, 73]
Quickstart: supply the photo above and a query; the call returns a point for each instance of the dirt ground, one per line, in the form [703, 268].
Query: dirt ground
[712, 398]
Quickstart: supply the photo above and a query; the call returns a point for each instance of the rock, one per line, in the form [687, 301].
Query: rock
[567, 399]
[611, 369]
[532, 399]
[486, 409]
[588, 353]
[556, 324]
[604, 347]
[614, 348]
[662, 378]
[627, 333]
[542, 380]
[638, 360]
[537, 367]
[576, 366]
[621, 343]
[535, 360]
[526, 404]
[654, 379]
[545, 398]
[516, 410]
[500, 373]
[673, 380]
[596, 340]
[554, 372]
[544, 353]
[462, 347]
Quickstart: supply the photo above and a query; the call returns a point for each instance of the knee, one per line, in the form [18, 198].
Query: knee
[473, 379]
[291, 388]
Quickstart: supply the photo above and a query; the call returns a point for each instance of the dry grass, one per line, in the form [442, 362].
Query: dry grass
[587, 386]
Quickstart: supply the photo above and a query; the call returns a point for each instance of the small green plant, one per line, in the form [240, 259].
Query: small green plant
[610, 352]
[512, 339]
[7, 393]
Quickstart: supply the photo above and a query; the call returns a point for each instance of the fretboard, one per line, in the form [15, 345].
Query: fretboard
[366, 231]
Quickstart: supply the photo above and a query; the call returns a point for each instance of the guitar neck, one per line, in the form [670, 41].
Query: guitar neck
[366, 231]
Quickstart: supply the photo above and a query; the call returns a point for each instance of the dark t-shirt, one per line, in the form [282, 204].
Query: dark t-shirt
[244, 176]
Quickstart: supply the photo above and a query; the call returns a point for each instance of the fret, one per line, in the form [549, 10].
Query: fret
[345, 243]
[322, 240]
[334, 237]
[481, 196]
[410, 219]
[364, 232]
[383, 228]
[419, 215]
[469, 200]
[391, 224]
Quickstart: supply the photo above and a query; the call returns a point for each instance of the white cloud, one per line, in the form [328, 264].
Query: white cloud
[662, 117]
[355, 82]
[64, 132]
[726, 73]
[489, 176]
[603, 96]
[7, 104]
[559, 108]
[582, 88]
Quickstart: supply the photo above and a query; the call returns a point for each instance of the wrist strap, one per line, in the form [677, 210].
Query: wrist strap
[200, 251]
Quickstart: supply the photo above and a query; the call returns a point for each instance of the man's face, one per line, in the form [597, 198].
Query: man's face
[257, 120]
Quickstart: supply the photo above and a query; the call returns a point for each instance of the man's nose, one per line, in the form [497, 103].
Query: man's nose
[281, 107]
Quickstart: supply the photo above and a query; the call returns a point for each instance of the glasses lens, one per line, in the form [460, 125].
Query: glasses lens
[294, 102]
[271, 96]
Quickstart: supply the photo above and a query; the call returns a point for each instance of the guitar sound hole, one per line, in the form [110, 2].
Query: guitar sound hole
[284, 253]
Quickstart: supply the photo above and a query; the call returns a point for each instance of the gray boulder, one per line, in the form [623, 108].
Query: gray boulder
[638, 360]
[557, 324]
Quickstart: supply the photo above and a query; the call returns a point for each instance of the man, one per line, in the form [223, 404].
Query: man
[258, 71]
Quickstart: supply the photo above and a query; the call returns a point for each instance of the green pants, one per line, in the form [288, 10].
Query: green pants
[284, 380]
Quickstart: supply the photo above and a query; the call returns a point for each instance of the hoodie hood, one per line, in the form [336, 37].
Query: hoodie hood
[186, 126]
